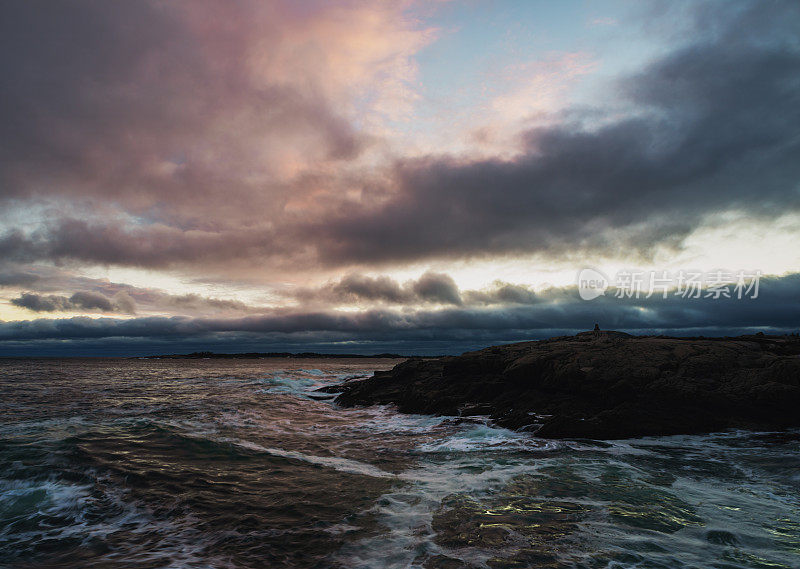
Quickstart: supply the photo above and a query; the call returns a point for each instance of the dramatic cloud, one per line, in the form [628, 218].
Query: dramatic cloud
[80, 301]
[181, 132]
[359, 287]
[708, 128]
[152, 246]
[715, 130]
[431, 287]
[777, 309]
[145, 97]
[502, 293]
[93, 294]
[253, 165]
[198, 303]
[437, 288]
[12, 279]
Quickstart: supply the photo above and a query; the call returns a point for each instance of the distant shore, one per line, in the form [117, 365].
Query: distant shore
[285, 355]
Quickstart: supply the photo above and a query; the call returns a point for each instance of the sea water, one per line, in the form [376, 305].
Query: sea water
[238, 463]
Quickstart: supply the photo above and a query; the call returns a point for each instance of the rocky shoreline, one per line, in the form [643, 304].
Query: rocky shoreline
[603, 385]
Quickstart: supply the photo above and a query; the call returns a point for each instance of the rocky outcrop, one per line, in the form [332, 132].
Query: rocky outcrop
[604, 385]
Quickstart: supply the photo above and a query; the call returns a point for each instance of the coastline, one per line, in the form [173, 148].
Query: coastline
[603, 385]
[285, 355]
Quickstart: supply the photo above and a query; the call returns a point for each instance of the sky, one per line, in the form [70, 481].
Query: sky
[413, 177]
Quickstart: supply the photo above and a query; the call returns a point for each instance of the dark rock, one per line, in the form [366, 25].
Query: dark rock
[332, 388]
[604, 385]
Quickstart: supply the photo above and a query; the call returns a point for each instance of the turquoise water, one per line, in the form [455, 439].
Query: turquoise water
[235, 463]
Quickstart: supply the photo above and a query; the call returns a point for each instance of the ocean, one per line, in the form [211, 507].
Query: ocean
[145, 463]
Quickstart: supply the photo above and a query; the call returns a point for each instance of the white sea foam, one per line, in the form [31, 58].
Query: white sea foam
[484, 438]
[49, 498]
[383, 419]
[289, 383]
[451, 464]
[337, 463]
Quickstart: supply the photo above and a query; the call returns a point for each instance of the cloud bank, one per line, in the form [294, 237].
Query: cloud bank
[209, 145]
[560, 310]
[80, 301]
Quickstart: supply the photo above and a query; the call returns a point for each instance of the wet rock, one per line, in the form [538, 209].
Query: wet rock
[332, 388]
[603, 385]
[321, 397]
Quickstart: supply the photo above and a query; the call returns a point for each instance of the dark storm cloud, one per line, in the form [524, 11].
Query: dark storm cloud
[149, 246]
[199, 303]
[437, 287]
[431, 287]
[777, 308]
[157, 300]
[92, 301]
[155, 107]
[360, 287]
[13, 279]
[39, 303]
[104, 295]
[80, 301]
[120, 104]
[502, 293]
[715, 129]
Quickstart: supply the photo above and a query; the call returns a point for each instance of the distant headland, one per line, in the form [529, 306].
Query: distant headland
[603, 385]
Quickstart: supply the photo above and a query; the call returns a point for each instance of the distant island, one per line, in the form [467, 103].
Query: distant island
[603, 385]
[262, 355]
